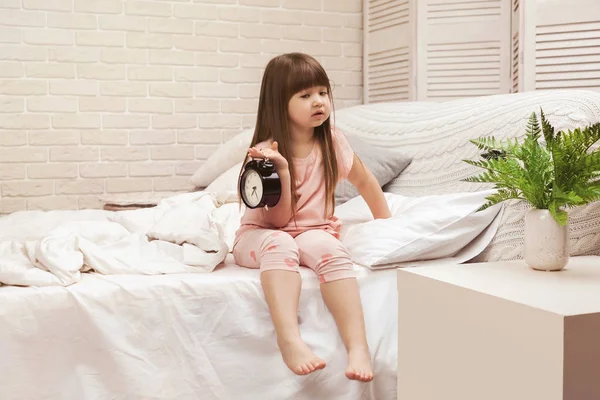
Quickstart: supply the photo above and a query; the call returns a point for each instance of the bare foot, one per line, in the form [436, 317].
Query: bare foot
[298, 357]
[359, 365]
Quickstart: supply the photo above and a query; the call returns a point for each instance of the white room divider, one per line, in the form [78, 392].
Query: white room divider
[444, 49]
[560, 44]
[463, 48]
[388, 50]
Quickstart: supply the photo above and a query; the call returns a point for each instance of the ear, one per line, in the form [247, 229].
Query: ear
[274, 146]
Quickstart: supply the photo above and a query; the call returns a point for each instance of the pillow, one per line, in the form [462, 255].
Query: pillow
[421, 228]
[227, 181]
[385, 164]
[224, 158]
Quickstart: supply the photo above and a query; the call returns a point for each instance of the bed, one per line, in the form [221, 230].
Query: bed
[134, 305]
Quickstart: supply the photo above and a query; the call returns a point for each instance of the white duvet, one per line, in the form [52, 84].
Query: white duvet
[193, 233]
[181, 234]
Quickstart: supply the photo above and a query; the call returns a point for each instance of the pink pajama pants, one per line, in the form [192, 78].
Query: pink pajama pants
[274, 249]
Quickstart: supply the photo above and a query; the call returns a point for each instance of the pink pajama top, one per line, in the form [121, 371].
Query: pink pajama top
[310, 188]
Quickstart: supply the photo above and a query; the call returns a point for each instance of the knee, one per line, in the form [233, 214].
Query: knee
[279, 241]
[279, 251]
[334, 266]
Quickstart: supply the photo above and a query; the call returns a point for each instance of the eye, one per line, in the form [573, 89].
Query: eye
[324, 93]
[305, 96]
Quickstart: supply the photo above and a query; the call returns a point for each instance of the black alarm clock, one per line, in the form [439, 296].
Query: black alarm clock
[260, 184]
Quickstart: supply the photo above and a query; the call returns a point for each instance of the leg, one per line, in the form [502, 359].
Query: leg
[276, 254]
[343, 300]
[325, 254]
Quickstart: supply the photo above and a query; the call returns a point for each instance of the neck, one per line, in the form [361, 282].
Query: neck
[302, 136]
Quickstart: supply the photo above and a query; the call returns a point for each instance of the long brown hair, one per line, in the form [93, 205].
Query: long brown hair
[284, 76]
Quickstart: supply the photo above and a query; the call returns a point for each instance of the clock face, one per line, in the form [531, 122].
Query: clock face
[253, 188]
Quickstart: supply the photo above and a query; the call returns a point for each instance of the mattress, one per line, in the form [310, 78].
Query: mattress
[183, 336]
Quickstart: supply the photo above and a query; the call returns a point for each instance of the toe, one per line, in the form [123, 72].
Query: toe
[351, 374]
[299, 371]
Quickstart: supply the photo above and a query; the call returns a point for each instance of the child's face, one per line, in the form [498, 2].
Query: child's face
[309, 108]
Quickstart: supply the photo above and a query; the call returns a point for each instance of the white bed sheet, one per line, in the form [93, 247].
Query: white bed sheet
[182, 336]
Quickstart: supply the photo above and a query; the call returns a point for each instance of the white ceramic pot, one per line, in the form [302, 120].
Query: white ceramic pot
[546, 242]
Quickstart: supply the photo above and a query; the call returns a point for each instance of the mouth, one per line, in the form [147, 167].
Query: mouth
[319, 113]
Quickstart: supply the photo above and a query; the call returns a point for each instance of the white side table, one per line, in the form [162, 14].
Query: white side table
[499, 331]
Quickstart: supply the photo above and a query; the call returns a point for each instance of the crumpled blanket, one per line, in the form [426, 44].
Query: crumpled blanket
[182, 234]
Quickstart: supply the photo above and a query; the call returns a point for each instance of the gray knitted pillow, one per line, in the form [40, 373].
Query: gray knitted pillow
[384, 163]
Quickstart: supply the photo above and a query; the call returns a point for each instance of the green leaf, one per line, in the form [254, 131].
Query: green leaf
[485, 143]
[559, 215]
[498, 197]
[547, 129]
[533, 127]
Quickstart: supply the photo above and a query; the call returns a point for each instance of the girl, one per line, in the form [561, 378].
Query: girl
[293, 130]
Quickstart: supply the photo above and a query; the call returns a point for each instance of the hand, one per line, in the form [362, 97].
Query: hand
[272, 154]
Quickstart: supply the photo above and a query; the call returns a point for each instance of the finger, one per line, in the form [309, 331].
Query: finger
[255, 153]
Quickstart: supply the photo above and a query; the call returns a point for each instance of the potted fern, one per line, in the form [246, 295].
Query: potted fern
[553, 174]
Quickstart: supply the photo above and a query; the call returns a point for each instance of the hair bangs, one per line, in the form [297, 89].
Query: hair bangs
[304, 74]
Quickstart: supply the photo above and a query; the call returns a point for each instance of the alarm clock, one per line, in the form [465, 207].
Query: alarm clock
[260, 185]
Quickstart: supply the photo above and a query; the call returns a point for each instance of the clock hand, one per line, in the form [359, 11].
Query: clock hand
[254, 191]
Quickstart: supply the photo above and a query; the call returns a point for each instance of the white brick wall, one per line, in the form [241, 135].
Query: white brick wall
[102, 97]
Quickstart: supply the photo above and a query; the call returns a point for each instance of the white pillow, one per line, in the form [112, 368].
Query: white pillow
[227, 181]
[421, 228]
[224, 158]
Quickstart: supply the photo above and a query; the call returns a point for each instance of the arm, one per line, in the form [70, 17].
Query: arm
[369, 189]
[281, 213]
